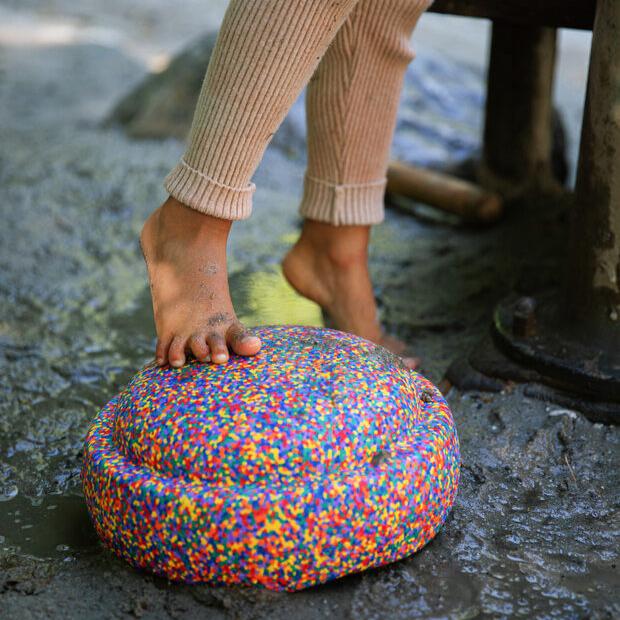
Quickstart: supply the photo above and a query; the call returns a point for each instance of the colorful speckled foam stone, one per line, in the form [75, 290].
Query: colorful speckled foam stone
[321, 456]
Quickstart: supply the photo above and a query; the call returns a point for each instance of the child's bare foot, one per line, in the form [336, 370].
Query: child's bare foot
[185, 254]
[329, 265]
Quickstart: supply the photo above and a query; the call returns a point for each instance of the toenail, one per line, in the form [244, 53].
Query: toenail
[220, 357]
[160, 361]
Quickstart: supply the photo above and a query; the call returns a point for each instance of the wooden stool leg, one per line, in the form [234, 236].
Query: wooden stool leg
[517, 133]
[594, 274]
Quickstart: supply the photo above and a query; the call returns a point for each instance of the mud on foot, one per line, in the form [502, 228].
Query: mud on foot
[185, 255]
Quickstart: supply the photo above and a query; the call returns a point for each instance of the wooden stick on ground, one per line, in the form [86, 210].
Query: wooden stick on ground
[444, 192]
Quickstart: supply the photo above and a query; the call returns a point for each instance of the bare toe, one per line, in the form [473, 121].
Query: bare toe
[176, 353]
[199, 347]
[242, 341]
[161, 351]
[219, 350]
[399, 348]
[411, 362]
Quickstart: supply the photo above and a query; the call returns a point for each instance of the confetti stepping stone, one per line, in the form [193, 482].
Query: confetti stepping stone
[319, 457]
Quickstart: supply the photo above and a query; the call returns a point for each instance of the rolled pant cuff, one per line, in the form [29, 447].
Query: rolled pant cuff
[343, 205]
[198, 191]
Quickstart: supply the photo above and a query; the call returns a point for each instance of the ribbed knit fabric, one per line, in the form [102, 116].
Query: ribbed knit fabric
[266, 52]
[351, 106]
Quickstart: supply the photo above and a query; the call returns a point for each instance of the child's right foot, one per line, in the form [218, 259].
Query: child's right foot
[185, 254]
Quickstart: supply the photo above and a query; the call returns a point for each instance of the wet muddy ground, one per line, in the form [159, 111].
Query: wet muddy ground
[535, 529]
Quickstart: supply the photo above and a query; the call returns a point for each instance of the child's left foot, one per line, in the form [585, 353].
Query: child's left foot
[329, 265]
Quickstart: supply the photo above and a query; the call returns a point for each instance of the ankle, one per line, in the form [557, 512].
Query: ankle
[344, 247]
[175, 215]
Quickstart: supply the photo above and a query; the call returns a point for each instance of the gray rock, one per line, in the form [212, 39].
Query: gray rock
[163, 104]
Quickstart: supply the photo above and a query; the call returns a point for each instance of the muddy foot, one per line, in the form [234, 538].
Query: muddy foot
[185, 254]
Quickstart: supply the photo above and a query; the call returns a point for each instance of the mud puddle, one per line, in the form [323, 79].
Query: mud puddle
[50, 527]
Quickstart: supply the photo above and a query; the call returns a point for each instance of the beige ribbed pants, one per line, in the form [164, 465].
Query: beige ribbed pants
[266, 52]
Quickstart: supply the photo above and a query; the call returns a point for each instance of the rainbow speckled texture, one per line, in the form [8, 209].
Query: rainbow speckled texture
[319, 457]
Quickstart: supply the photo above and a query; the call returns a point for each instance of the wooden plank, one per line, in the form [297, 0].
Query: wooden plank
[555, 13]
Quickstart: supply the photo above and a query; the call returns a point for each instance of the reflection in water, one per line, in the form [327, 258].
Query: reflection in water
[55, 526]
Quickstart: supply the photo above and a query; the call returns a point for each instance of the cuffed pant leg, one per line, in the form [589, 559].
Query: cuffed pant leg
[266, 52]
[351, 107]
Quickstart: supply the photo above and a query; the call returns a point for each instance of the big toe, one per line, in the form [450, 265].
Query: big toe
[398, 347]
[242, 341]
[411, 362]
